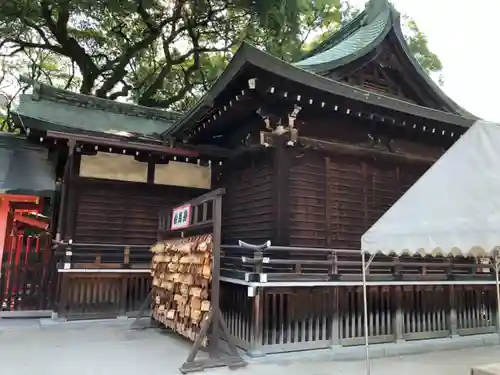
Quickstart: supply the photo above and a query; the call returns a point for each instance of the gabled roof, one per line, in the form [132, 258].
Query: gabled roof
[250, 58]
[379, 21]
[63, 110]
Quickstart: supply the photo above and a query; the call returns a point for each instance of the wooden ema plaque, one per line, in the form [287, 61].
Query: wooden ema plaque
[182, 272]
[186, 287]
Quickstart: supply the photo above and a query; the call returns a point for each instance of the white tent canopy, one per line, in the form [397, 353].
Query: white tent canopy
[453, 209]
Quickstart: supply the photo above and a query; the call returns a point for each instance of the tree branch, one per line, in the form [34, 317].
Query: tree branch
[69, 45]
[191, 26]
[123, 92]
[120, 64]
[71, 77]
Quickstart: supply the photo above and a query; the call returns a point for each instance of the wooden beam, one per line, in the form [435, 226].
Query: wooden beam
[345, 149]
[20, 198]
[31, 221]
[125, 143]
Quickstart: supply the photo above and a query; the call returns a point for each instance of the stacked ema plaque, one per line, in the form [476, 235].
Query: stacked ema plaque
[182, 271]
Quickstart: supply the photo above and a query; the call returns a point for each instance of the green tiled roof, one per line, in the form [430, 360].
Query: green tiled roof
[67, 110]
[362, 35]
[353, 40]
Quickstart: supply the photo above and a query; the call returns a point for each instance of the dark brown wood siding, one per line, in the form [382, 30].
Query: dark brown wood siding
[306, 184]
[122, 212]
[334, 200]
[249, 203]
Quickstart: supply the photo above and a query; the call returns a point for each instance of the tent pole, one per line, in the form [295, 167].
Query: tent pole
[498, 290]
[365, 313]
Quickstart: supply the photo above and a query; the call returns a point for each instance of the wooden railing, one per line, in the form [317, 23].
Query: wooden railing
[280, 319]
[283, 264]
[106, 294]
[102, 256]
[102, 280]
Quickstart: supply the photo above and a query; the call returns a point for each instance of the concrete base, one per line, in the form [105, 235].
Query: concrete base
[36, 314]
[54, 322]
[493, 369]
[340, 353]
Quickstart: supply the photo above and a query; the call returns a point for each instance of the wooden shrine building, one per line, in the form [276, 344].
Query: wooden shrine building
[328, 143]
[320, 150]
[114, 174]
[309, 155]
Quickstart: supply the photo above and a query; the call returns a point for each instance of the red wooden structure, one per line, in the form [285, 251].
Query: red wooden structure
[25, 258]
[12, 208]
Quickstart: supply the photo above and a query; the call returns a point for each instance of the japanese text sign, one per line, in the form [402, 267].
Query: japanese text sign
[181, 217]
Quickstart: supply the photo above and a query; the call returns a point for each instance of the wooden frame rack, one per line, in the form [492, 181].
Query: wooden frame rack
[205, 217]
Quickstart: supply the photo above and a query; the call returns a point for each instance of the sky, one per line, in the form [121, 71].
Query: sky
[466, 37]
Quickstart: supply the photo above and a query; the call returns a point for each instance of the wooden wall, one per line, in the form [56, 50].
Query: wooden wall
[249, 203]
[121, 212]
[335, 199]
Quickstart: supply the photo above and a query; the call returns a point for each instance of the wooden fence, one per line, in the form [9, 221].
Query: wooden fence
[102, 294]
[300, 318]
[102, 280]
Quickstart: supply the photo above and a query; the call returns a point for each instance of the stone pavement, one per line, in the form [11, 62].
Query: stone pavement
[108, 347]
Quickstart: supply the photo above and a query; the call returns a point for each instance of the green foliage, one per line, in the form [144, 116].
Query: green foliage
[418, 44]
[162, 53]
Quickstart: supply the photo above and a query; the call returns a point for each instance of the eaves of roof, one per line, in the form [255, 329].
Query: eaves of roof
[248, 55]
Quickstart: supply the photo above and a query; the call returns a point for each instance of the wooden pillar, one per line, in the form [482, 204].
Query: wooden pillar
[71, 204]
[257, 323]
[328, 204]
[151, 172]
[282, 193]
[452, 312]
[398, 313]
[63, 198]
[62, 294]
[5, 227]
[335, 329]
[123, 293]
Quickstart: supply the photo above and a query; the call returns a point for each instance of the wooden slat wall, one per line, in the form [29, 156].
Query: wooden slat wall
[334, 200]
[248, 206]
[347, 194]
[122, 212]
[306, 184]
